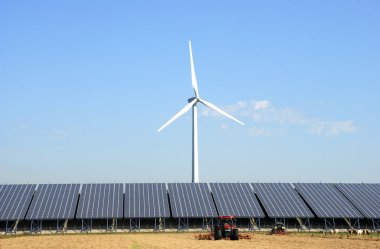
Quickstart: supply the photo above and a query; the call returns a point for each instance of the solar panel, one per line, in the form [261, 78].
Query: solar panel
[280, 200]
[54, 201]
[146, 200]
[100, 201]
[365, 197]
[236, 199]
[15, 200]
[326, 201]
[376, 188]
[191, 200]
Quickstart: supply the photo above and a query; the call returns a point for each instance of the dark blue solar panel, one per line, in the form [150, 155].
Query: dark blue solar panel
[326, 201]
[100, 201]
[191, 200]
[376, 188]
[146, 200]
[236, 199]
[280, 200]
[365, 197]
[54, 201]
[15, 200]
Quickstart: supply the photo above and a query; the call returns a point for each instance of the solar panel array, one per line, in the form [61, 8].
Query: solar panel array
[326, 201]
[365, 197]
[146, 200]
[101, 201]
[188, 200]
[280, 200]
[191, 200]
[15, 200]
[236, 199]
[54, 201]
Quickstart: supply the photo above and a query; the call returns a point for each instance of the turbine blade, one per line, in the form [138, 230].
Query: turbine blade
[179, 114]
[193, 77]
[215, 108]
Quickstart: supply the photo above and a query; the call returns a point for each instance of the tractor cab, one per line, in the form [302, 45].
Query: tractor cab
[226, 228]
[278, 228]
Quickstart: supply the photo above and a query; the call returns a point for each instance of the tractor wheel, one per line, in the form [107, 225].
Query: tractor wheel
[235, 234]
[218, 234]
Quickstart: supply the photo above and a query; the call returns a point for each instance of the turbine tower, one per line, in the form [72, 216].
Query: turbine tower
[192, 103]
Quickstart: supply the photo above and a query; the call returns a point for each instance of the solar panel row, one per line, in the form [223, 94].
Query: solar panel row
[54, 201]
[236, 199]
[14, 201]
[101, 201]
[326, 201]
[146, 200]
[280, 200]
[191, 200]
[365, 197]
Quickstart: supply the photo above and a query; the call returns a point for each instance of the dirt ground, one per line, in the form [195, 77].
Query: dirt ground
[184, 240]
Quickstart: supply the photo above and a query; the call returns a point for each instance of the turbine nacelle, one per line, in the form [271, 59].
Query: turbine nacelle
[191, 99]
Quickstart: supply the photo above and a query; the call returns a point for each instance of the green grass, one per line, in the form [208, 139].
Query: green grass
[134, 245]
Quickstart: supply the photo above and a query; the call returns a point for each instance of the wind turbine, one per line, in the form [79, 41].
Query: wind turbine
[192, 103]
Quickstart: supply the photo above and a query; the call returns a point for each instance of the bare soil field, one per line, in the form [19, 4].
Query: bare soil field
[184, 240]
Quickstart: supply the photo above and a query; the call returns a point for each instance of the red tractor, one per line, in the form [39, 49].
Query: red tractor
[226, 228]
[278, 228]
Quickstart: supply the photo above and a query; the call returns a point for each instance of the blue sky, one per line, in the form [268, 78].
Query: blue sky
[84, 85]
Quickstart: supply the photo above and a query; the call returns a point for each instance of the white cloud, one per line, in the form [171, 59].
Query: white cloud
[241, 104]
[264, 132]
[333, 128]
[264, 113]
[205, 112]
[224, 126]
[261, 105]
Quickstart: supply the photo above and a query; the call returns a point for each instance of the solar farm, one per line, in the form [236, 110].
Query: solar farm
[134, 207]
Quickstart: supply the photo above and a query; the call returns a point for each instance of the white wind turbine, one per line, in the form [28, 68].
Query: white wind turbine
[192, 102]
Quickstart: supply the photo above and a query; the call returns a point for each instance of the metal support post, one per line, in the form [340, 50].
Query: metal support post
[86, 225]
[134, 224]
[35, 226]
[183, 224]
[11, 227]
